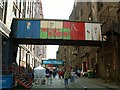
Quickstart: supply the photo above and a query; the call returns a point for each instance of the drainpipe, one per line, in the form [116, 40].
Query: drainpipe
[115, 57]
[19, 56]
[69, 53]
[102, 56]
[114, 53]
[1, 46]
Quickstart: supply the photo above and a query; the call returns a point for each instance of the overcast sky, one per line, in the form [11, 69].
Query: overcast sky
[56, 9]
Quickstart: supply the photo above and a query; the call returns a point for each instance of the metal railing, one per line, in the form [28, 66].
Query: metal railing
[14, 69]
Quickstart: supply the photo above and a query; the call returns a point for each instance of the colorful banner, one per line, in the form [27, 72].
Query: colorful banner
[53, 29]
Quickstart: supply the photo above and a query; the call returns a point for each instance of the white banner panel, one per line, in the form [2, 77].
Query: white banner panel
[88, 34]
[51, 24]
[96, 32]
[59, 24]
[44, 24]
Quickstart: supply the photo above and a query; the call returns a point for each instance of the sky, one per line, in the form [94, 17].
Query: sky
[56, 9]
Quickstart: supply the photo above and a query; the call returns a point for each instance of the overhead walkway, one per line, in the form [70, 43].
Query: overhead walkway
[56, 32]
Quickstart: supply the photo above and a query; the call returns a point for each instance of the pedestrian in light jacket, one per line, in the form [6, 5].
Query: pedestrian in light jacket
[66, 76]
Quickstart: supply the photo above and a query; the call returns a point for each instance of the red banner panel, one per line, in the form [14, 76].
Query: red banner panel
[77, 31]
[67, 25]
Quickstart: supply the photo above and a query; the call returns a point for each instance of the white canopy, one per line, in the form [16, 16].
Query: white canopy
[39, 67]
[39, 72]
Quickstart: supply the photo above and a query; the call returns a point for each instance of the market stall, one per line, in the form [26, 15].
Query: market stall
[39, 74]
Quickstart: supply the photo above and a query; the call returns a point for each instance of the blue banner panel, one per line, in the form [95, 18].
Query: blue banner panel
[21, 29]
[6, 81]
[28, 29]
[52, 61]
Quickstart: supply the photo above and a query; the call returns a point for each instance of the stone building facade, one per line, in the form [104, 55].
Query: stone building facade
[105, 59]
[28, 56]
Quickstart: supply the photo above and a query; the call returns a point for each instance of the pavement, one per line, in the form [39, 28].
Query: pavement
[81, 82]
[56, 83]
[110, 85]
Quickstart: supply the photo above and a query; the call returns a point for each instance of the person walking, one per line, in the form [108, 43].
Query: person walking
[59, 73]
[78, 73]
[62, 74]
[47, 77]
[72, 74]
[54, 73]
[50, 76]
[66, 76]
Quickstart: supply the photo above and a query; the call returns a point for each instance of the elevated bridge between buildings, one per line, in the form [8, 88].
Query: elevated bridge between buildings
[56, 32]
[47, 32]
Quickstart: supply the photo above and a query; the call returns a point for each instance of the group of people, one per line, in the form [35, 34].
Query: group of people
[72, 74]
[49, 74]
[61, 74]
[65, 74]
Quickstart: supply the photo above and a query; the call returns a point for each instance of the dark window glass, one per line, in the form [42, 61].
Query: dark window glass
[5, 13]
[99, 5]
[1, 10]
[19, 8]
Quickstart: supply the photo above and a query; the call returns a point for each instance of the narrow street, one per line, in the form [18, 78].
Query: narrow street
[82, 83]
[40, 39]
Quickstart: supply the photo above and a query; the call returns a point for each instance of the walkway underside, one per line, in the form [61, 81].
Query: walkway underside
[58, 42]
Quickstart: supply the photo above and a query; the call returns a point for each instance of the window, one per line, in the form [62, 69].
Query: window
[1, 10]
[17, 3]
[75, 47]
[81, 12]
[24, 9]
[19, 9]
[4, 11]
[118, 14]
[99, 6]
[14, 10]
[28, 9]
[89, 4]
[32, 9]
